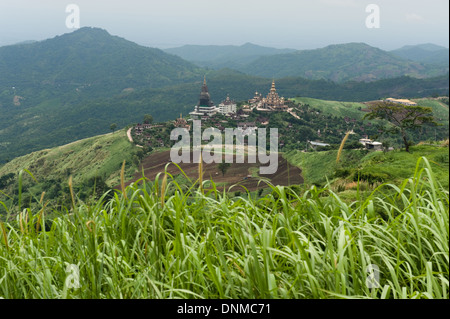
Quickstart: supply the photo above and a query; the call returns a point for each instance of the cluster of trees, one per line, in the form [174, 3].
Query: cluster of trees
[6, 180]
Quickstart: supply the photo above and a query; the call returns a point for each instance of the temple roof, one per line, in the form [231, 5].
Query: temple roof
[228, 101]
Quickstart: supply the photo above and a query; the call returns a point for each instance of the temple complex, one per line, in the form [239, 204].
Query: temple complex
[206, 108]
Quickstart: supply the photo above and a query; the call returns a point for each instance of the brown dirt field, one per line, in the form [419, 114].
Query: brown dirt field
[235, 174]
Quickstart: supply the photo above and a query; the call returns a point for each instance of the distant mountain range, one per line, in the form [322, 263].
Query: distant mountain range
[226, 56]
[338, 63]
[424, 53]
[75, 85]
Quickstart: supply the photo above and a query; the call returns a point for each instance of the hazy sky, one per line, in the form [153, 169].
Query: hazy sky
[298, 24]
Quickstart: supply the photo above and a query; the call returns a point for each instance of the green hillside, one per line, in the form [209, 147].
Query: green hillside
[393, 167]
[96, 156]
[336, 108]
[355, 110]
[440, 108]
[89, 161]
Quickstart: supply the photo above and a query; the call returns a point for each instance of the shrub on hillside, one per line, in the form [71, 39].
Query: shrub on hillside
[370, 177]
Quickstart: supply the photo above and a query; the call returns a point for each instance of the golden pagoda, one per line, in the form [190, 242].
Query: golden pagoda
[273, 101]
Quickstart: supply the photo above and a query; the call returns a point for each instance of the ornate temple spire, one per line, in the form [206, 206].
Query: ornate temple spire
[205, 99]
[273, 89]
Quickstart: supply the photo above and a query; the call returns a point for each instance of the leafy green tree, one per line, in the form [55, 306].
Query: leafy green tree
[147, 149]
[223, 167]
[6, 179]
[148, 119]
[140, 154]
[113, 127]
[402, 117]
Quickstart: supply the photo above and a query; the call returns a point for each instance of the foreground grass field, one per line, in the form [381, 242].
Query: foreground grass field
[155, 240]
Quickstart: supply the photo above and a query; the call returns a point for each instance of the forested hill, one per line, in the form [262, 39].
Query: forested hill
[91, 61]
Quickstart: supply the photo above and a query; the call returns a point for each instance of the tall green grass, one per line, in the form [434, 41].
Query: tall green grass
[160, 240]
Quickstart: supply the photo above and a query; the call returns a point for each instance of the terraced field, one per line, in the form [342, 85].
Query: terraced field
[244, 174]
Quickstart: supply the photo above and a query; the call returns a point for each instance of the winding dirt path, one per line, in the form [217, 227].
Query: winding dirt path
[130, 138]
[129, 135]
